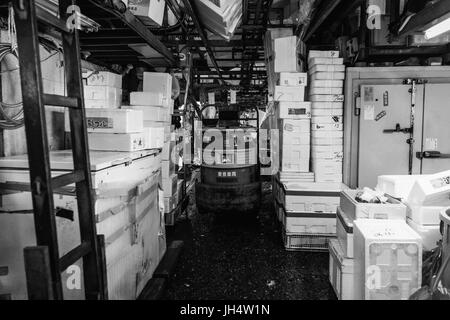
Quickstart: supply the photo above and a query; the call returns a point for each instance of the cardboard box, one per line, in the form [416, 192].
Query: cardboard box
[147, 99]
[289, 94]
[293, 79]
[293, 110]
[104, 78]
[286, 55]
[158, 82]
[149, 11]
[112, 121]
[117, 141]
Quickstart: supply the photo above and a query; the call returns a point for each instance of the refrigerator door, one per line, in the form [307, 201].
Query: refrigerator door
[436, 129]
[384, 122]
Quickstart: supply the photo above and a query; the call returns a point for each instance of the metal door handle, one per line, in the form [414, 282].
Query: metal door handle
[398, 129]
[432, 155]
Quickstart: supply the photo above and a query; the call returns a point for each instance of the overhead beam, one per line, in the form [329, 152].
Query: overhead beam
[427, 16]
[201, 31]
[322, 15]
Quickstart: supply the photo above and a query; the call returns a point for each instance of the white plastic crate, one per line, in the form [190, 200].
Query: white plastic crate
[341, 272]
[311, 197]
[344, 231]
[306, 242]
[430, 234]
[431, 190]
[388, 260]
[397, 186]
[309, 223]
[394, 209]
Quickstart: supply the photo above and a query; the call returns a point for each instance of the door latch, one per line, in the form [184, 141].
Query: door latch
[432, 155]
[399, 129]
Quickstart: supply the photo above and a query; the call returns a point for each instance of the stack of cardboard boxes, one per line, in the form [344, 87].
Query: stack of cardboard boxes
[327, 74]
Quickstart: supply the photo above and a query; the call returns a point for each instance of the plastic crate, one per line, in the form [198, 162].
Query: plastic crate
[341, 272]
[306, 242]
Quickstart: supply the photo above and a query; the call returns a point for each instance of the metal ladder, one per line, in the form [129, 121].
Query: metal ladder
[43, 264]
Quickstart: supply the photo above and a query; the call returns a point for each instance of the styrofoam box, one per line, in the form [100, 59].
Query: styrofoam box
[329, 141]
[327, 98]
[344, 231]
[117, 141]
[295, 126]
[327, 84]
[147, 99]
[167, 150]
[430, 234]
[151, 113]
[327, 127]
[309, 223]
[104, 78]
[289, 94]
[311, 197]
[113, 121]
[150, 11]
[424, 215]
[397, 186]
[327, 119]
[327, 105]
[325, 166]
[394, 209]
[154, 137]
[432, 190]
[297, 165]
[169, 185]
[388, 260]
[325, 91]
[293, 79]
[103, 93]
[103, 104]
[327, 152]
[286, 55]
[341, 272]
[294, 110]
[327, 112]
[327, 61]
[326, 68]
[328, 178]
[323, 54]
[157, 82]
[170, 203]
[289, 139]
[328, 76]
[327, 134]
[167, 168]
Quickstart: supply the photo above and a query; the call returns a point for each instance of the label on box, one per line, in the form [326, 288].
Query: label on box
[100, 123]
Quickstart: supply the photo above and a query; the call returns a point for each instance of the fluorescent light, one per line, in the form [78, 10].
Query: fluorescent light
[438, 29]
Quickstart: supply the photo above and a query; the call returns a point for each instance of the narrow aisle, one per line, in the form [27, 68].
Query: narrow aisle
[231, 259]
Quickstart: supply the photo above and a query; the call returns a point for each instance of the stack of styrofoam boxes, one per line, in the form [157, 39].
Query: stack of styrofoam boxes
[157, 104]
[343, 252]
[110, 128]
[327, 73]
[422, 213]
[308, 213]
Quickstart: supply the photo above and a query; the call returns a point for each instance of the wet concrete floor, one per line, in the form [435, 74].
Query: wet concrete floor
[239, 259]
